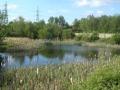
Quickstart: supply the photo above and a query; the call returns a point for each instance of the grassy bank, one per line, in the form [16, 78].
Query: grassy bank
[28, 44]
[99, 44]
[104, 75]
[22, 43]
[14, 43]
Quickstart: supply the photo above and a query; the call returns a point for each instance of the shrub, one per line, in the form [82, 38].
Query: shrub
[88, 37]
[94, 37]
[105, 77]
[67, 34]
[78, 38]
[2, 35]
[115, 39]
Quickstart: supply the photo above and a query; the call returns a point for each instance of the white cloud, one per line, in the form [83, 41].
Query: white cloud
[94, 3]
[12, 6]
[82, 2]
[100, 12]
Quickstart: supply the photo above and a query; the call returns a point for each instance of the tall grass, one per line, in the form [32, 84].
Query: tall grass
[77, 76]
[28, 44]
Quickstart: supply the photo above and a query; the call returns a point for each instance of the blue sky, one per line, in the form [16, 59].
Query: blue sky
[70, 9]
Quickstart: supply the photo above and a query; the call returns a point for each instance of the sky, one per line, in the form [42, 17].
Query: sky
[70, 9]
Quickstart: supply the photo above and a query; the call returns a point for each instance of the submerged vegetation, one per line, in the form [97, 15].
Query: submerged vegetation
[104, 75]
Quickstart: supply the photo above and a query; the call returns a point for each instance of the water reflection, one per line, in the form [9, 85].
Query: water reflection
[3, 61]
[50, 51]
[90, 54]
[57, 54]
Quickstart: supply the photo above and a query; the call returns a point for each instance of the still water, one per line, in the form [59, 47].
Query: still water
[55, 54]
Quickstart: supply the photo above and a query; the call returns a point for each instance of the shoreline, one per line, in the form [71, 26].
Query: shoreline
[21, 44]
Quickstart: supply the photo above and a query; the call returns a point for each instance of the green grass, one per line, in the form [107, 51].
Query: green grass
[104, 75]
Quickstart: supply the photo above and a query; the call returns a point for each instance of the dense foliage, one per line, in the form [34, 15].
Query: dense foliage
[2, 28]
[94, 37]
[89, 37]
[115, 39]
[103, 24]
[104, 77]
[58, 29]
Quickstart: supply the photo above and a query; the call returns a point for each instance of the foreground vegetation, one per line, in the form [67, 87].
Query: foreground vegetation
[104, 75]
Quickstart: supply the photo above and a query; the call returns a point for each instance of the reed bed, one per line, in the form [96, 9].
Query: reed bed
[14, 43]
[76, 76]
[22, 43]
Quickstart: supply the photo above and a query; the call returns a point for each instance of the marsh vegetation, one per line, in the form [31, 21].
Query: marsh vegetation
[56, 55]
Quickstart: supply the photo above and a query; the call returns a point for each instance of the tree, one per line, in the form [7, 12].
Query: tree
[2, 27]
[76, 25]
[67, 34]
[51, 20]
[42, 29]
[62, 21]
[32, 31]
[103, 24]
[17, 28]
[53, 31]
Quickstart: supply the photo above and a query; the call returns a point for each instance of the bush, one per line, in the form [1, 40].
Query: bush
[94, 37]
[88, 37]
[2, 35]
[78, 38]
[105, 77]
[67, 34]
[116, 39]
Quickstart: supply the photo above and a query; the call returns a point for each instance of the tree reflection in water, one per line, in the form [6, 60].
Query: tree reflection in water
[1, 61]
[57, 54]
[52, 52]
[2, 70]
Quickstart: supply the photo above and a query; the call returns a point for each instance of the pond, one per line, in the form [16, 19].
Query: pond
[55, 54]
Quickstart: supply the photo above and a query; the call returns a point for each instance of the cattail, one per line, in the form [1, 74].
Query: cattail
[71, 80]
[37, 71]
[21, 81]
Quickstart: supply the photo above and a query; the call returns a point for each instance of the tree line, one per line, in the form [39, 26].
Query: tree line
[103, 24]
[57, 27]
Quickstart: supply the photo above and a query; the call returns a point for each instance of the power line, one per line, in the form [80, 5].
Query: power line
[4, 14]
[37, 15]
